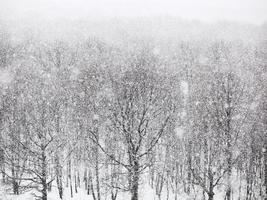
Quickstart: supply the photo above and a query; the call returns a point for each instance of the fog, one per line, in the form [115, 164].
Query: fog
[251, 11]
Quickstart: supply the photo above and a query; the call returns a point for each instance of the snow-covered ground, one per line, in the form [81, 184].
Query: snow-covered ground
[146, 193]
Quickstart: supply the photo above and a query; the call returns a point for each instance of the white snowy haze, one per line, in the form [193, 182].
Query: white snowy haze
[252, 11]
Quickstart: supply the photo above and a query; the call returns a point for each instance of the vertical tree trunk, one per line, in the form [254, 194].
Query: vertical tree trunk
[211, 193]
[88, 174]
[114, 194]
[135, 181]
[92, 186]
[44, 174]
[79, 180]
[85, 180]
[59, 177]
[151, 173]
[3, 173]
[240, 185]
[189, 168]
[265, 169]
[2, 164]
[15, 184]
[67, 179]
[228, 150]
[208, 161]
[229, 138]
[229, 175]
[159, 184]
[71, 190]
[176, 182]
[97, 175]
[75, 182]
[167, 187]
[113, 182]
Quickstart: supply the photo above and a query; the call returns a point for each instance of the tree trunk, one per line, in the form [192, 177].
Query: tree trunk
[265, 170]
[114, 194]
[2, 163]
[151, 176]
[211, 180]
[59, 177]
[159, 184]
[75, 182]
[79, 180]
[167, 187]
[85, 179]
[211, 195]
[189, 160]
[71, 190]
[44, 175]
[92, 187]
[14, 181]
[229, 174]
[97, 175]
[135, 181]
[229, 155]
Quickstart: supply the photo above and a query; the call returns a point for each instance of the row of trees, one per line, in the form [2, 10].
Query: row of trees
[99, 117]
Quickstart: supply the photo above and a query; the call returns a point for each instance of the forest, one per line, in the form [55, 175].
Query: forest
[116, 111]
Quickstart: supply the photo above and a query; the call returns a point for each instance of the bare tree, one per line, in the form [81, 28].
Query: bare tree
[140, 111]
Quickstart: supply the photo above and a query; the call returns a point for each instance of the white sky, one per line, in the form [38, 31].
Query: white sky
[253, 11]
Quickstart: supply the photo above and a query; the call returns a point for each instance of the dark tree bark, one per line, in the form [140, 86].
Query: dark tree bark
[70, 179]
[135, 181]
[59, 177]
[44, 174]
[92, 187]
[2, 164]
[15, 184]
[265, 169]
[211, 186]
[75, 182]
[97, 169]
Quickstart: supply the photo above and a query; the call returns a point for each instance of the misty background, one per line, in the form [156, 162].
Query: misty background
[118, 20]
[252, 11]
